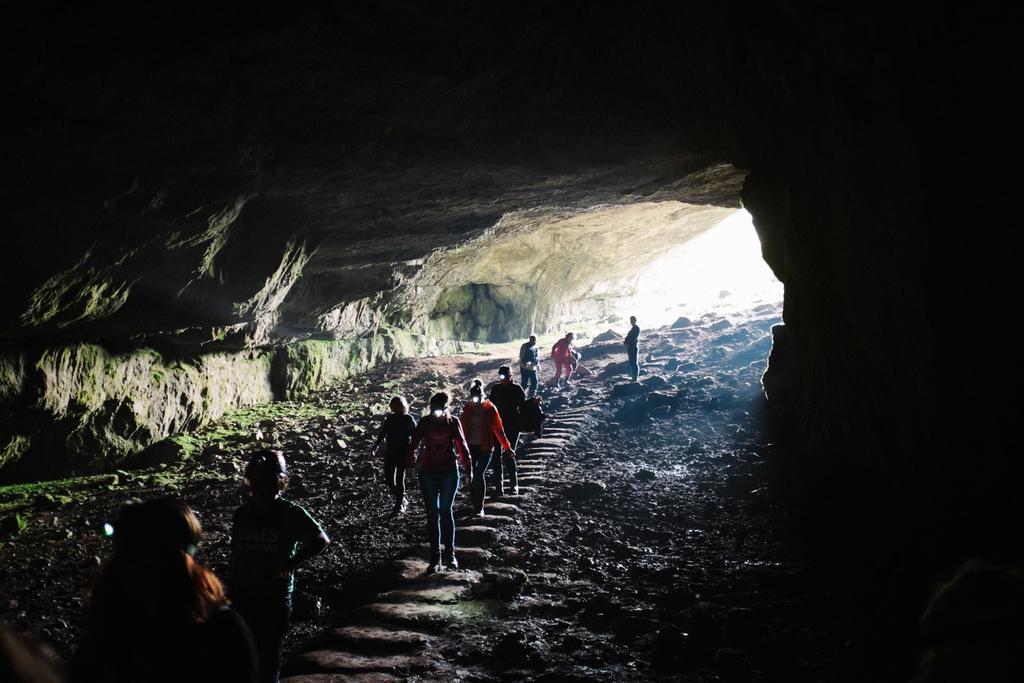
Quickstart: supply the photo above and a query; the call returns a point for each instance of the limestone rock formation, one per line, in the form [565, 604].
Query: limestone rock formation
[250, 181]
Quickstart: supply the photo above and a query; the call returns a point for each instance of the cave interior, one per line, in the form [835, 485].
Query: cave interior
[210, 211]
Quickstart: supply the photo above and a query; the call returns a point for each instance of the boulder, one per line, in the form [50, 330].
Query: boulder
[586, 490]
[163, 452]
[607, 335]
[654, 382]
[628, 389]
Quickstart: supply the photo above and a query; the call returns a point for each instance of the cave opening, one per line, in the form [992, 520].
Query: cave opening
[555, 273]
[250, 231]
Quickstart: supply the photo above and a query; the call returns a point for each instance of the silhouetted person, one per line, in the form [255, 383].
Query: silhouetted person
[509, 398]
[532, 416]
[561, 353]
[156, 614]
[23, 661]
[396, 434]
[482, 425]
[444, 451]
[270, 538]
[529, 365]
[632, 342]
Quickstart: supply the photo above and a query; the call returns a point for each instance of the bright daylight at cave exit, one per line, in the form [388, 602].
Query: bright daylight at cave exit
[721, 271]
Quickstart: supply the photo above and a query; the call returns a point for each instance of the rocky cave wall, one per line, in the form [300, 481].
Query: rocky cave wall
[274, 179]
[541, 271]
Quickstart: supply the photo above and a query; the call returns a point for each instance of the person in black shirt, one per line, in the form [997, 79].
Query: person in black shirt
[396, 434]
[156, 615]
[270, 538]
[508, 397]
[632, 342]
[529, 364]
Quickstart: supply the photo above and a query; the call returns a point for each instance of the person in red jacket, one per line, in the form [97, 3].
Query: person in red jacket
[561, 353]
[481, 423]
[444, 451]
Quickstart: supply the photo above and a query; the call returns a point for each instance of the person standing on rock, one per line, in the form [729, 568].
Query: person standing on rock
[444, 451]
[396, 433]
[482, 425]
[632, 342]
[270, 538]
[529, 365]
[509, 398]
[561, 353]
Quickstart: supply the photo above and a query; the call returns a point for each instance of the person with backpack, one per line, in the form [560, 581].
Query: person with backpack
[444, 453]
[508, 397]
[529, 365]
[396, 433]
[484, 431]
[562, 353]
[270, 538]
[532, 416]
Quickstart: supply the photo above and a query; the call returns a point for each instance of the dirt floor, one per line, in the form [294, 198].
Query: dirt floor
[653, 547]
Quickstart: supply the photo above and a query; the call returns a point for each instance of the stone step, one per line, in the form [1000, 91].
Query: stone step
[442, 595]
[475, 534]
[416, 615]
[469, 558]
[341, 661]
[373, 677]
[532, 481]
[489, 520]
[554, 441]
[414, 569]
[506, 509]
[522, 489]
[430, 617]
[375, 639]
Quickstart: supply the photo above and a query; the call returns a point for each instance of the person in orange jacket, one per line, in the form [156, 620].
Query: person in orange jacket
[482, 426]
[561, 353]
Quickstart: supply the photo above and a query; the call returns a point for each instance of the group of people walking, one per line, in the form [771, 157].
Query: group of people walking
[154, 598]
[454, 451]
[449, 451]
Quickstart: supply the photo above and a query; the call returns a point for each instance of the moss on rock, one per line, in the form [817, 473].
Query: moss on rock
[12, 377]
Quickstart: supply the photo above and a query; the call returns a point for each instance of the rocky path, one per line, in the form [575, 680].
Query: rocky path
[646, 542]
[400, 633]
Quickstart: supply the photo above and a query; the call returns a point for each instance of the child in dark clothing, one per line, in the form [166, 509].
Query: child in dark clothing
[532, 416]
[396, 433]
[270, 538]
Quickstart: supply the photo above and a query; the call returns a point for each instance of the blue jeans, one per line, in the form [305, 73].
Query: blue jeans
[481, 460]
[529, 381]
[634, 364]
[439, 497]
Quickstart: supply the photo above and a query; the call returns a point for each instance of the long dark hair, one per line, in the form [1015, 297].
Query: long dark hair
[151, 573]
